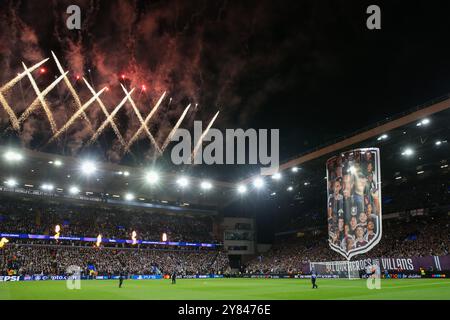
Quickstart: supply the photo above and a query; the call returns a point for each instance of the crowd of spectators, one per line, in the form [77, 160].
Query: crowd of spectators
[418, 237]
[55, 260]
[111, 222]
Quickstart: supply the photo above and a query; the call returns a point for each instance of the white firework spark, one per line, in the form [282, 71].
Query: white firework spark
[110, 118]
[141, 120]
[169, 137]
[145, 124]
[41, 98]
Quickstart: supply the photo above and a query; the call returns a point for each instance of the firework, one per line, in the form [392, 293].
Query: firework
[73, 92]
[75, 116]
[199, 142]
[111, 116]
[141, 120]
[41, 99]
[169, 137]
[146, 121]
[35, 104]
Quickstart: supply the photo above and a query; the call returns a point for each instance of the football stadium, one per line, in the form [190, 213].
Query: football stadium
[174, 151]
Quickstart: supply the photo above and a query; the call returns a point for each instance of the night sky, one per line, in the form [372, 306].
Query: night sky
[309, 68]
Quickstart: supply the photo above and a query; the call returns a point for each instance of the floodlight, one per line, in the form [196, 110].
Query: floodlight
[152, 177]
[11, 183]
[74, 190]
[129, 197]
[294, 169]
[290, 188]
[242, 189]
[47, 187]
[88, 167]
[408, 152]
[206, 185]
[183, 182]
[11, 156]
[258, 183]
[382, 137]
[276, 176]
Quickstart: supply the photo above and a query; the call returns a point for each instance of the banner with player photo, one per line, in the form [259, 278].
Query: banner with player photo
[354, 201]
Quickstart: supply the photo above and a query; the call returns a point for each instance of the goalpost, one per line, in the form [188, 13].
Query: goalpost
[335, 269]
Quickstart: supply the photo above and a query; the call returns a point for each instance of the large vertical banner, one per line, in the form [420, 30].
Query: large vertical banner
[354, 201]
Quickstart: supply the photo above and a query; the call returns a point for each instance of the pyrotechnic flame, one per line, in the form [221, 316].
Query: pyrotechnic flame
[3, 242]
[164, 237]
[169, 137]
[41, 99]
[145, 125]
[99, 240]
[73, 92]
[57, 230]
[199, 143]
[141, 120]
[109, 119]
[133, 237]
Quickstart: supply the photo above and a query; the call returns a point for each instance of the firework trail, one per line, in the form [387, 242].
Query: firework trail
[73, 92]
[141, 120]
[147, 119]
[12, 116]
[75, 116]
[20, 76]
[169, 137]
[35, 104]
[199, 142]
[10, 112]
[110, 119]
[41, 100]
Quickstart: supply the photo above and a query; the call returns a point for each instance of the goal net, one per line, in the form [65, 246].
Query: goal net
[335, 269]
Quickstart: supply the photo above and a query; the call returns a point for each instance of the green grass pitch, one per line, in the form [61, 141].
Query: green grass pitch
[230, 289]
